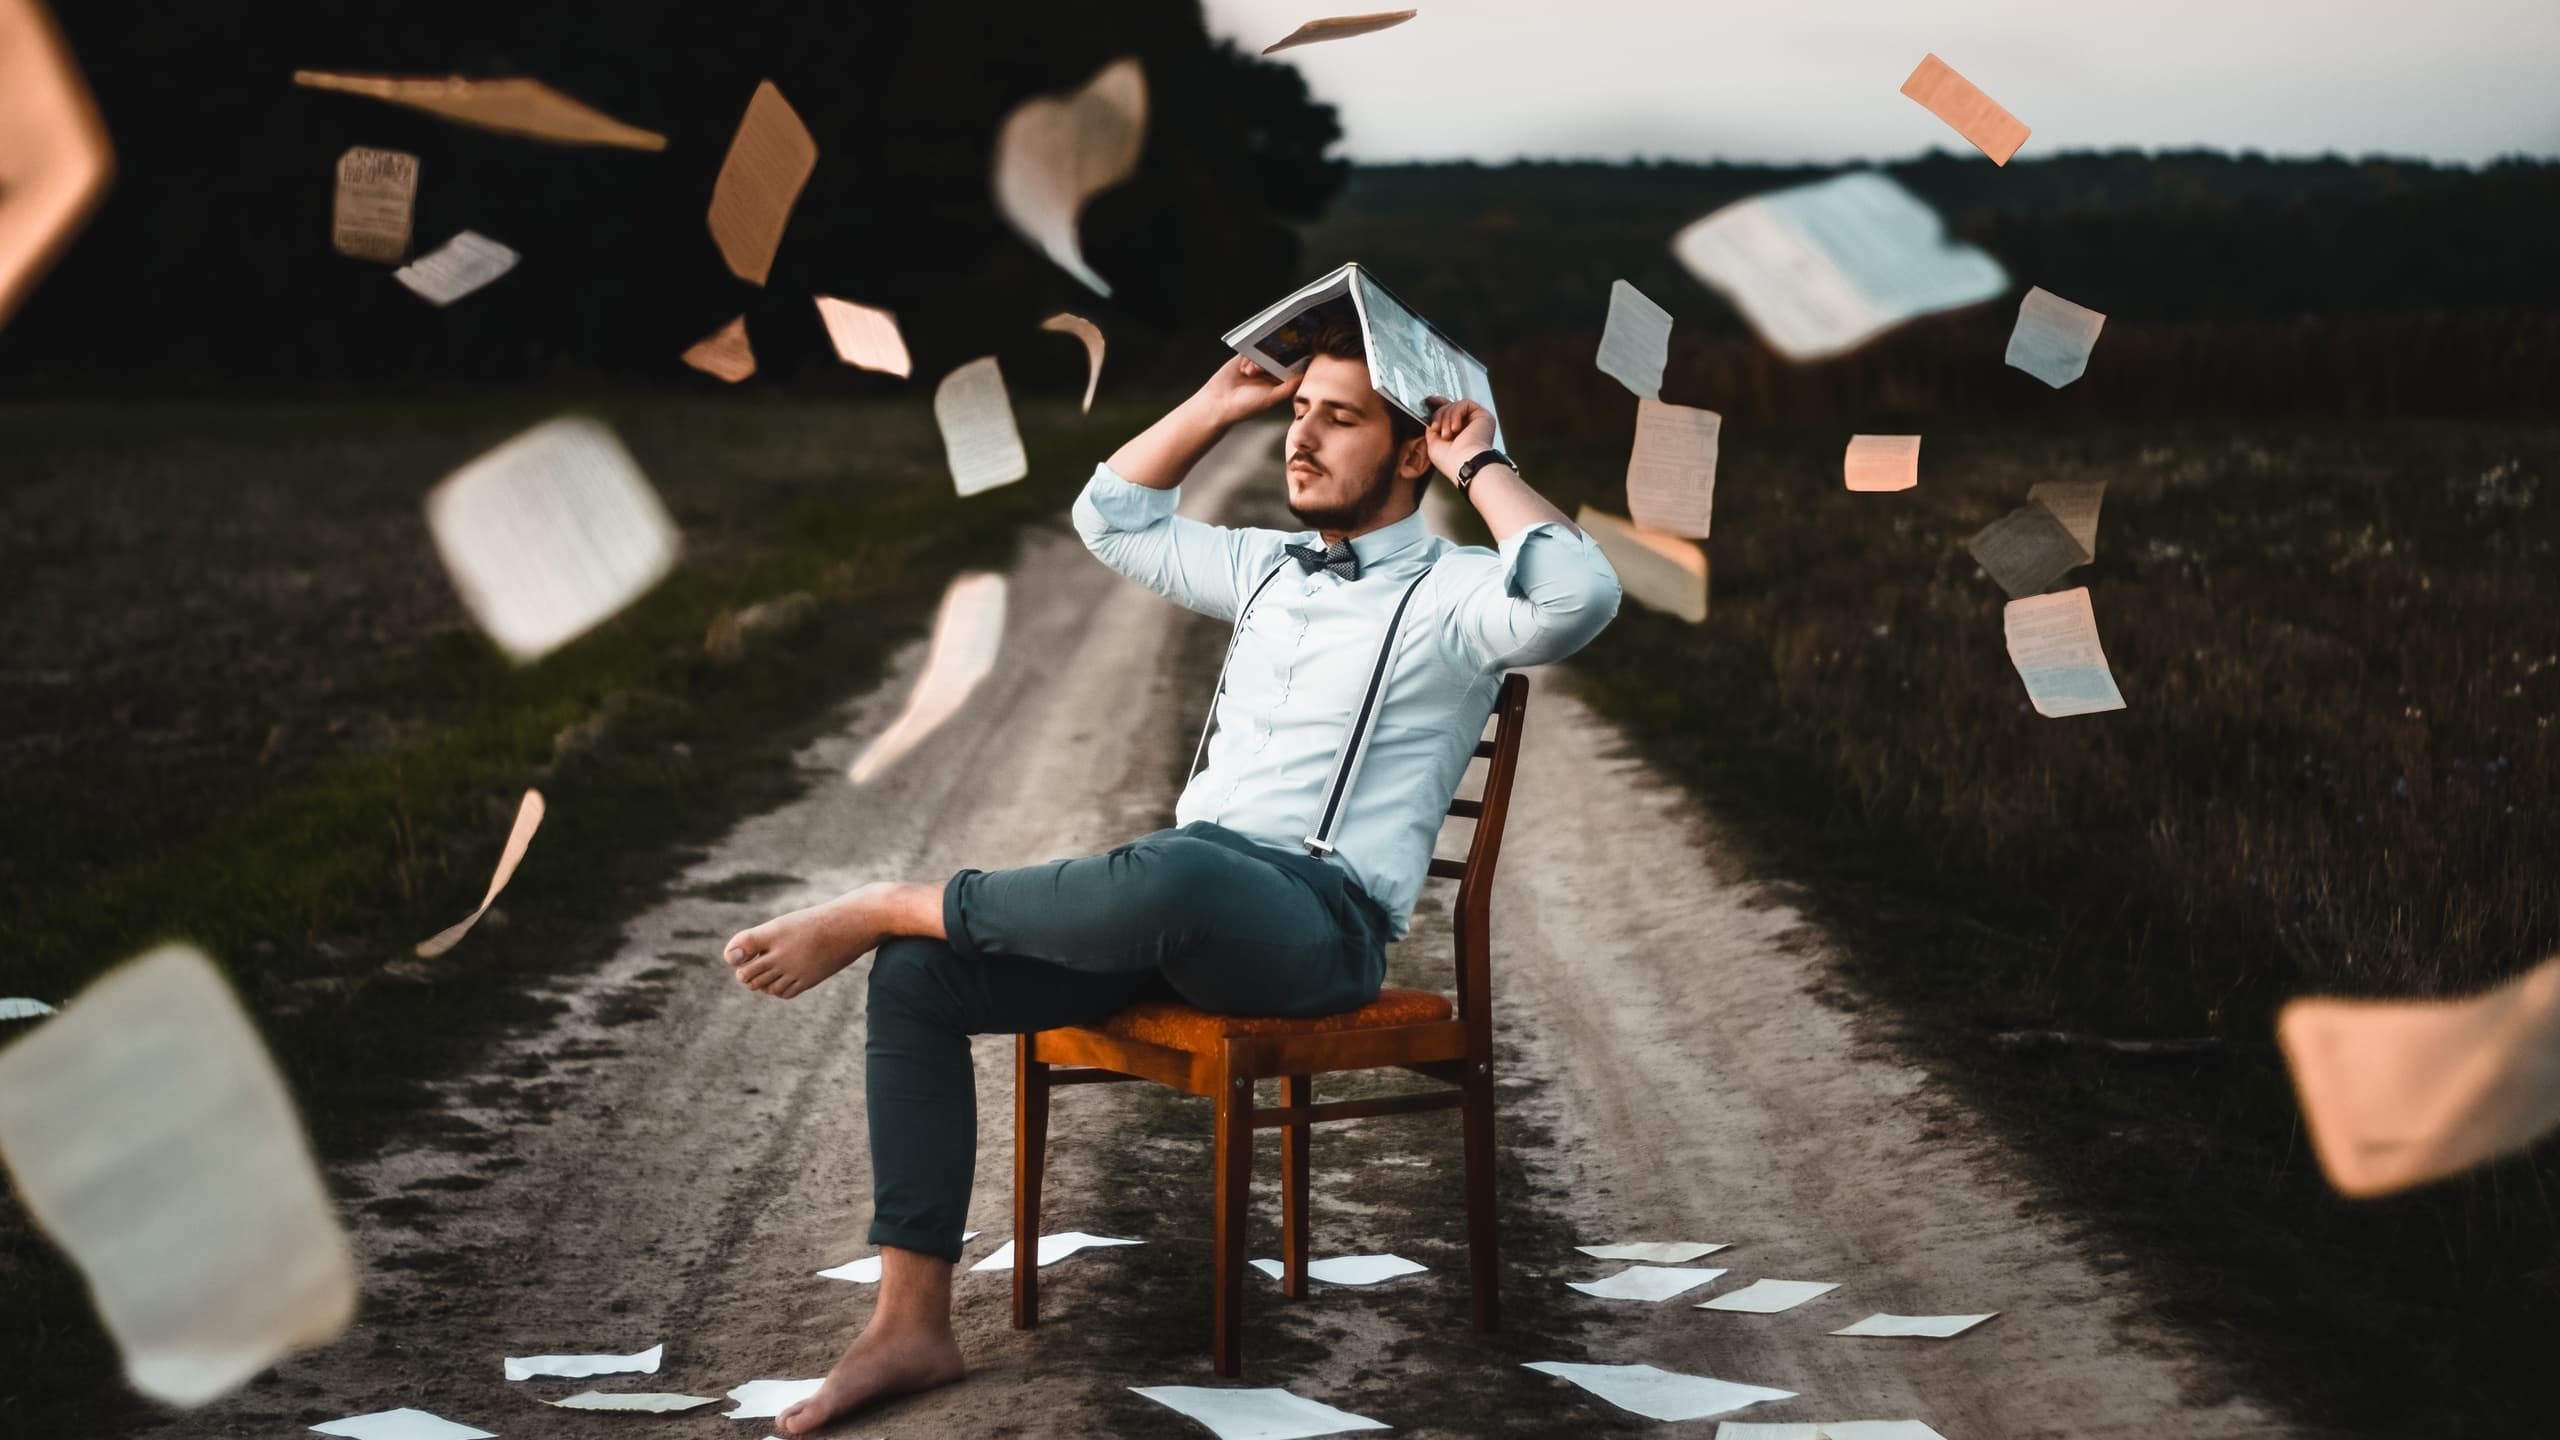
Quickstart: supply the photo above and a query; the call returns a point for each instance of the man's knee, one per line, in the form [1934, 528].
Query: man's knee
[1175, 877]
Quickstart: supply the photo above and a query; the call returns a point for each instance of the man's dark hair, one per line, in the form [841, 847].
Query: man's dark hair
[1337, 336]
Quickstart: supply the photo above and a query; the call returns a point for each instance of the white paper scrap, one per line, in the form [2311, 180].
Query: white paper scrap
[529, 812]
[1827, 1430]
[1882, 462]
[2053, 337]
[1635, 344]
[1347, 1269]
[402, 1424]
[1339, 27]
[463, 264]
[979, 437]
[2075, 503]
[1091, 334]
[377, 196]
[579, 1367]
[1053, 1248]
[1931, 1327]
[1661, 572]
[17, 1008]
[1255, 1414]
[1656, 1252]
[2053, 642]
[1671, 470]
[968, 632]
[1057, 152]
[865, 337]
[1646, 1282]
[1768, 1297]
[654, 1403]
[764, 1399]
[866, 1271]
[1661, 1394]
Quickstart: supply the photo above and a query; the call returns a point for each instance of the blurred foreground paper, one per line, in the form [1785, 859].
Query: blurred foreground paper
[377, 194]
[1925, 1327]
[769, 160]
[464, 264]
[1058, 151]
[1768, 1297]
[2075, 504]
[1661, 1394]
[2053, 337]
[401, 1425]
[579, 1367]
[1053, 1248]
[54, 157]
[1635, 342]
[516, 106]
[2053, 640]
[2026, 550]
[1348, 1269]
[1646, 1282]
[726, 352]
[1671, 471]
[1882, 462]
[2400, 1092]
[151, 1137]
[549, 534]
[1255, 1414]
[528, 819]
[1339, 27]
[18, 1008]
[978, 435]
[1820, 269]
[764, 1399]
[1828, 1430]
[865, 337]
[1661, 572]
[654, 1403]
[1659, 1252]
[1958, 101]
[1091, 334]
[967, 634]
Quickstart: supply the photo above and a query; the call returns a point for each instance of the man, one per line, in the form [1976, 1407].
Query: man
[1258, 904]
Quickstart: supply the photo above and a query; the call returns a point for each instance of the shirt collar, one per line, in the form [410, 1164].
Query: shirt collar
[1376, 547]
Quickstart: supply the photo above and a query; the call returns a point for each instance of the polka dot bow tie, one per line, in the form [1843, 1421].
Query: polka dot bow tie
[1336, 557]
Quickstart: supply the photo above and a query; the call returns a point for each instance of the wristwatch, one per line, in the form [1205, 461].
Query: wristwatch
[1467, 472]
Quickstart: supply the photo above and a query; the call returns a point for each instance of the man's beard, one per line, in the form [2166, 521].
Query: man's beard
[1361, 511]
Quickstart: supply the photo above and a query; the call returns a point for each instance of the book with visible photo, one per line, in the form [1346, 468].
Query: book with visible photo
[1410, 359]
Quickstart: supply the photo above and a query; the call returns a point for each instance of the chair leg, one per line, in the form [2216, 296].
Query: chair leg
[1030, 1151]
[1234, 1183]
[1484, 1269]
[1296, 1091]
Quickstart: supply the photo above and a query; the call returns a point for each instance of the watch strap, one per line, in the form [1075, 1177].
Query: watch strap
[1467, 472]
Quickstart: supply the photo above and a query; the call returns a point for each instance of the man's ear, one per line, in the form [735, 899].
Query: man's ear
[1414, 460]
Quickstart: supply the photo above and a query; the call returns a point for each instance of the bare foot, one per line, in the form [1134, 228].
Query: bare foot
[790, 953]
[889, 1357]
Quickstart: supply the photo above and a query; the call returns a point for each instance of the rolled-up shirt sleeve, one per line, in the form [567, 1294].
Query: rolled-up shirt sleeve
[1132, 528]
[1551, 595]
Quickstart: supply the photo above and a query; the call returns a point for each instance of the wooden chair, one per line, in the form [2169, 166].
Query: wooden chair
[1221, 1056]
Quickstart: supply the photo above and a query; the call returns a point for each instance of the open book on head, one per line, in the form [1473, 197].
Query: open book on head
[1409, 359]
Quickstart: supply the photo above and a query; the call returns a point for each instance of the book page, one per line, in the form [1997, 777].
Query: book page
[2053, 642]
[2075, 504]
[864, 337]
[1056, 152]
[769, 160]
[513, 106]
[978, 434]
[1671, 471]
[377, 195]
[725, 353]
[1882, 462]
[1658, 571]
[461, 265]
[1091, 334]
[1635, 345]
[1958, 101]
[58, 158]
[2053, 337]
[1339, 27]
[2026, 550]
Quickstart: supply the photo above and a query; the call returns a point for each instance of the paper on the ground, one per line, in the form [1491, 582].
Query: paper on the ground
[579, 1367]
[401, 1424]
[1655, 1252]
[1882, 462]
[1053, 1248]
[1056, 152]
[1339, 27]
[2400, 1092]
[1970, 113]
[652, 1402]
[1768, 1297]
[54, 155]
[1820, 269]
[979, 438]
[1827, 1430]
[1671, 471]
[2075, 504]
[1646, 1282]
[377, 195]
[1927, 1327]
[2026, 550]
[725, 352]
[529, 812]
[514, 106]
[2053, 337]
[1635, 343]
[1255, 1414]
[20, 1008]
[865, 337]
[866, 1271]
[461, 265]
[764, 1399]
[1347, 1269]
[549, 534]
[2053, 641]
[151, 1137]
[769, 160]
[968, 631]
[1091, 334]
[1661, 572]
[1661, 1394]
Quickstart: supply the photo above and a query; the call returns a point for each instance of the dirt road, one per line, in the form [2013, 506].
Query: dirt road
[675, 1158]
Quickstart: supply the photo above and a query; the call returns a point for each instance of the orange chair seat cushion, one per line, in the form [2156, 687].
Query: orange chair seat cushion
[1177, 1026]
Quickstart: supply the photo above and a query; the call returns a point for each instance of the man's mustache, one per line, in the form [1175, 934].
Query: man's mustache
[1309, 461]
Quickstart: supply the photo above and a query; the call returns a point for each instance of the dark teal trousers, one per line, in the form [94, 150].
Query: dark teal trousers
[1200, 913]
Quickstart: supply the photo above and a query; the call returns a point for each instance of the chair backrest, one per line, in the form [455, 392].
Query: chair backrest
[1473, 912]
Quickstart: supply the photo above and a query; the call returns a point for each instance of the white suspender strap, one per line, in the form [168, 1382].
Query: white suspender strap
[1234, 638]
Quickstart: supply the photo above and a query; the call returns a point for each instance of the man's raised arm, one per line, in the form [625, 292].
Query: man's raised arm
[1554, 590]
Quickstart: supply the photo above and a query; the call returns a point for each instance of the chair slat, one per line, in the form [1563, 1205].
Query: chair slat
[1449, 869]
[1466, 809]
[1484, 748]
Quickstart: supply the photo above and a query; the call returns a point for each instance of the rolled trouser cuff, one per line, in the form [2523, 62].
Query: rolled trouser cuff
[955, 914]
[943, 1245]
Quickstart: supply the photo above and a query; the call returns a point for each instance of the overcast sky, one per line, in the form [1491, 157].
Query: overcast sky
[1819, 80]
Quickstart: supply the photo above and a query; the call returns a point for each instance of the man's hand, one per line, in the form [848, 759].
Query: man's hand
[1240, 390]
[1457, 432]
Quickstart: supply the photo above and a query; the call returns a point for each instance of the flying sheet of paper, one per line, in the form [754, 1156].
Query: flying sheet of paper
[461, 265]
[1091, 334]
[1661, 572]
[1255, 1414]
[579, 1367]
[2053, 642]
[377, 196]
[1970, 113]
[1646, 1282]
[1635, 344]
[151, 1137]
[1339, 27]
[769, 161]
[1053, 1248]
[865, 337]
[654, 1403]
[1661, 1394]
[2053, 337]
[54, 156]
[1768, 1297]
[2026, 550]
[549, 534]
[1671, 471]
[1882, 462]
[1821, 269]
[20, 1008]
[2400, 1092]
[725, 352]
[866, 1271]
[2075, 504]
[1828, 1430]
[978, 434]
[968, 632]
[1347, 1269]
[1654, 1252]
[1927, 1327]
[1056, 152]
[514, 106]
[402, 1424]
[764, 1399]
[529, 814]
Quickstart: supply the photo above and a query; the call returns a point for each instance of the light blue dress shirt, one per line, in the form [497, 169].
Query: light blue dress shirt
[1306, 652]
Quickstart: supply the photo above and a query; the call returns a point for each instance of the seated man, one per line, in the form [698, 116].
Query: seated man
[1285, 881]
